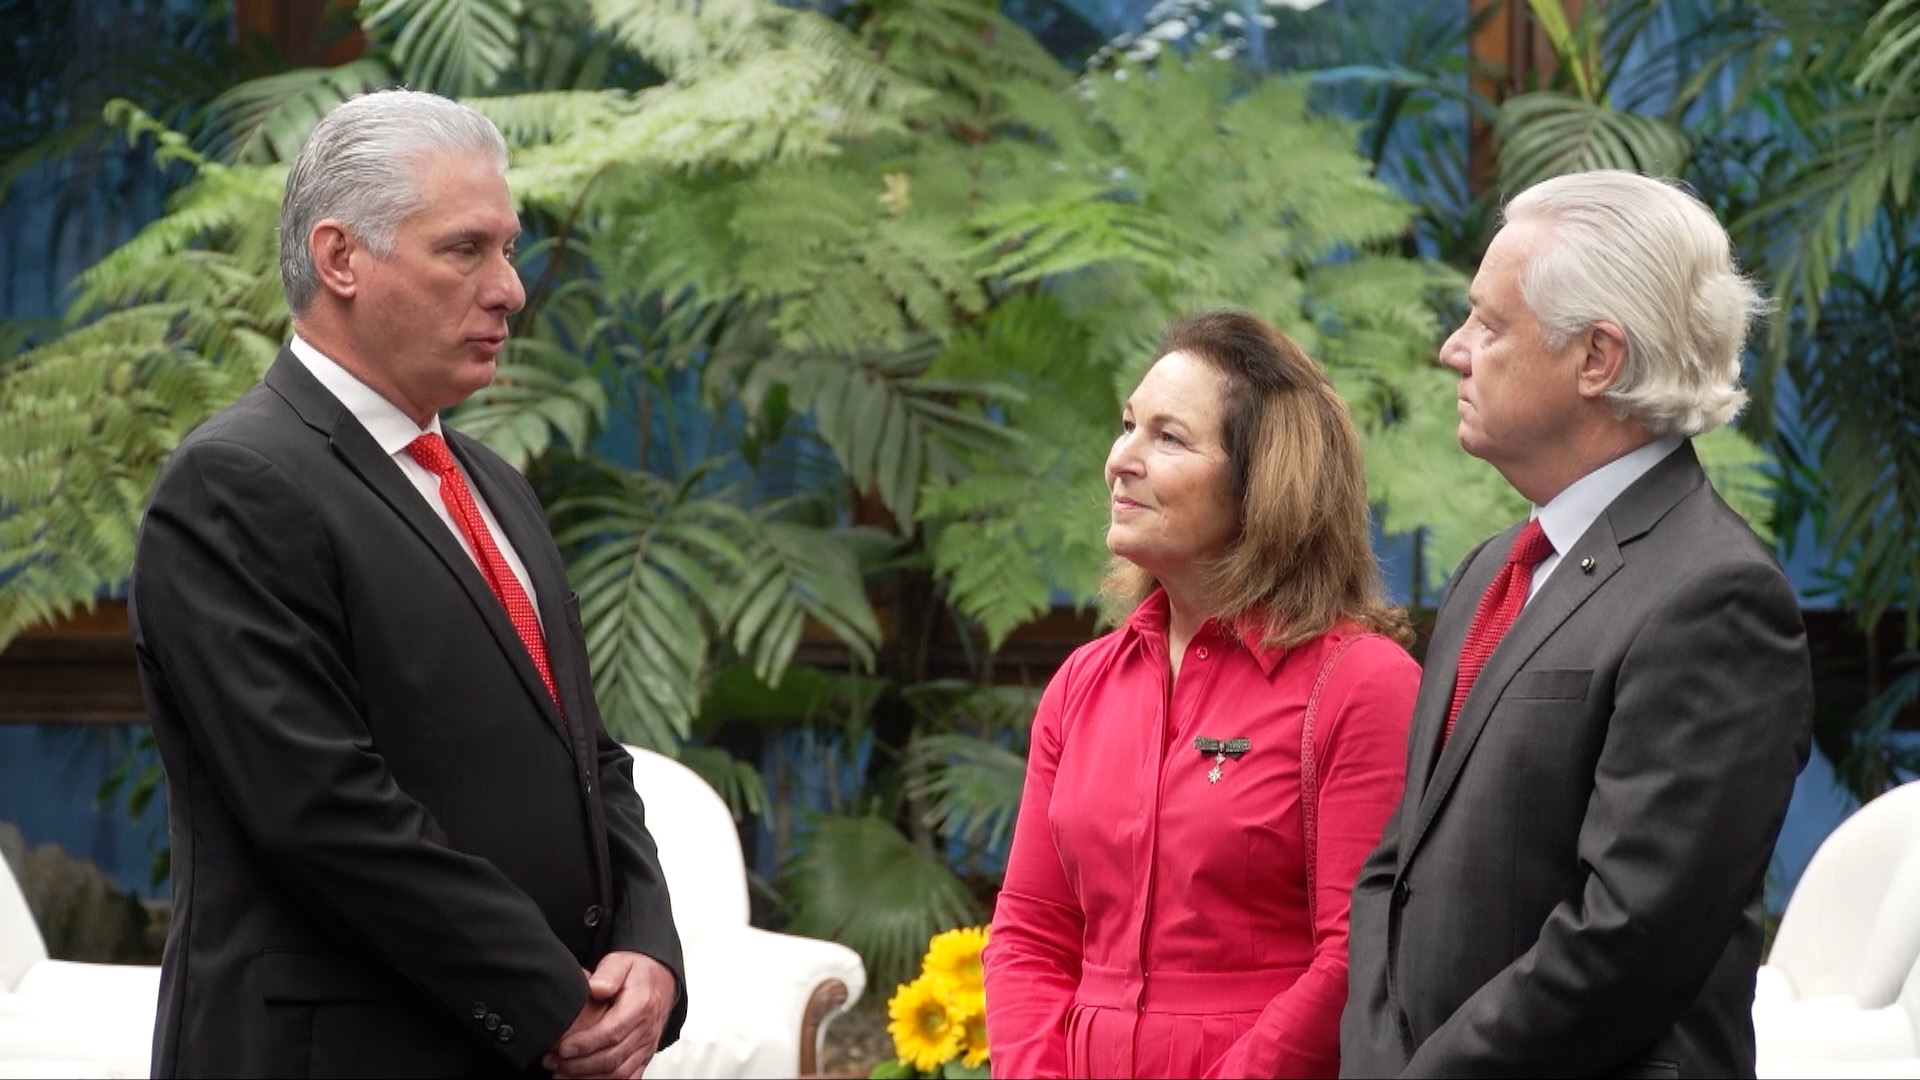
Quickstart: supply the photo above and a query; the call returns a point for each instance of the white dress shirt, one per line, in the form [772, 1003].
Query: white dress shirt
[394, 430]
[1574, 510]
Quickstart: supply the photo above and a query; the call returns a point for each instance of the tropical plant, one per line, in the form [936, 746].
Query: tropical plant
[820, 310]
[1796, 128]
[1839, 227]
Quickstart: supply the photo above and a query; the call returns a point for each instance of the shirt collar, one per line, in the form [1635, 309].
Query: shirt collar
[1568, 516]
[1149, 620]
[390, 427]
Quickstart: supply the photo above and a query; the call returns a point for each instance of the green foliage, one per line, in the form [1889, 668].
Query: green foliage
[1801, 130]
[459, 46]
[860, 881]
[971, 787]
[266, 119]
[819, 308]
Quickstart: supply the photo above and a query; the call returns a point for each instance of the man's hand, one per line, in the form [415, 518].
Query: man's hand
[630, 996]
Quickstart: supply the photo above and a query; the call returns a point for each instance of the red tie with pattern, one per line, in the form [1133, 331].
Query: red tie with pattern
[432, 453]
[1498, 608]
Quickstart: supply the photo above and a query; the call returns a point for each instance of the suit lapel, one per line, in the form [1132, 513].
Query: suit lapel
[1631, 516]
[323, 412]
[1441, 667]
[525, 526]
[527, 532]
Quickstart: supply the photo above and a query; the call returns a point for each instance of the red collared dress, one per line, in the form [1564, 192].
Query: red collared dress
[1154, 923]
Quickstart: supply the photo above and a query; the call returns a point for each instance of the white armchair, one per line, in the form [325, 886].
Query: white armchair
[760, 1001]
[64, 1019]
[1839, 994]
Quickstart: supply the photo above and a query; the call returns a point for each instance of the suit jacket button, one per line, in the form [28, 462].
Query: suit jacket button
[493, 1021]
[505, 1034]
[1401, 890]
[479, 1010]
[592, 917]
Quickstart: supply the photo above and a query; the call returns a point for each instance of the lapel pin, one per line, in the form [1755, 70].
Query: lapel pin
[1221, 749]
[1586, 565]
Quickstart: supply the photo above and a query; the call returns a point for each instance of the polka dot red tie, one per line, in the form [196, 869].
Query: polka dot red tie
[432, 453]
[1498, 608]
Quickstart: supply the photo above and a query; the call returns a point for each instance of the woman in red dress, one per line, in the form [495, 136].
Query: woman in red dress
[1204, 781]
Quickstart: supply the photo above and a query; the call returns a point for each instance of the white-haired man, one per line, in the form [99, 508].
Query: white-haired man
[1617, 696]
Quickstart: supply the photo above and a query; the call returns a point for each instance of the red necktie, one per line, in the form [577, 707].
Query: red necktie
[432, 453]
[1498, 608]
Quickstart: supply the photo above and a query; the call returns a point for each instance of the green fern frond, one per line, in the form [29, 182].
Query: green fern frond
[552, 117]
[673, 34]
[1737, 468]
[542, 392]
[889, 425]
[846, 274]
[738, 782]
[992, 575]
[454, 47]
[648, 564]
[85, 422]
[799, 572]
[1020, 529]
[966, 50]
[232, 207]
[1080, 226]
[971, 787]
[267, 119]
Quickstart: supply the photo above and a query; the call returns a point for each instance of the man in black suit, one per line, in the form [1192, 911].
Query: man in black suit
[1572, 882]
[403, 843]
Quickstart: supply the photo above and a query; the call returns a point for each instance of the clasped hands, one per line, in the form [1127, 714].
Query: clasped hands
[629, 997]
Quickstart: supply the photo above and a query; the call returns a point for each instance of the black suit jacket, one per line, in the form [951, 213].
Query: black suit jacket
[1573, 885]
[391, 854]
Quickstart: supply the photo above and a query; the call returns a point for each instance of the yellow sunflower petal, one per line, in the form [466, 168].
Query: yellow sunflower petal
[924, 1036]
[955, 957]
[973, 1044]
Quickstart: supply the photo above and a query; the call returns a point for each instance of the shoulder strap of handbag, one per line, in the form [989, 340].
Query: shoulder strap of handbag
[1310, 779]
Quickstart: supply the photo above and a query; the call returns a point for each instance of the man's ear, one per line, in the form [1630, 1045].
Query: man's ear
[333, 250]
[1603, 358]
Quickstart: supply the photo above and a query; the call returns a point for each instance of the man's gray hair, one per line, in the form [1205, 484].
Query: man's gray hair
[361, 167]
[1652, 259]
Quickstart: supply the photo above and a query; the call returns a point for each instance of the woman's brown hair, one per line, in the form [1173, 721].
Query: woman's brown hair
[1303, 559]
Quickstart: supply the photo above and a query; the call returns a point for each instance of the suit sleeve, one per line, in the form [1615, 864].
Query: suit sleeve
[1708, 729]
[240, 606]
[1362, 738]
[643, 911]
[1033, 953]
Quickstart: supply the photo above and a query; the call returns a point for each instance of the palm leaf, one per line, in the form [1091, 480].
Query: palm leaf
[268, 119]
[971, 787]
[1545, 134]
[859, 881]
[454, 47]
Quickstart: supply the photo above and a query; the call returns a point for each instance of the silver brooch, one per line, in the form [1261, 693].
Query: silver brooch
[1221, 749]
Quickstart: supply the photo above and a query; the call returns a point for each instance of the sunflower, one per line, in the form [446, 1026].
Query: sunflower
[924, 1035]
[955, 957]
[973, 1042]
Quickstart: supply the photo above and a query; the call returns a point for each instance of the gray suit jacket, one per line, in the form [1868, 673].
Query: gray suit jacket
[392, 856]
[1572, 887]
